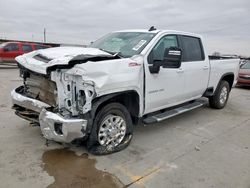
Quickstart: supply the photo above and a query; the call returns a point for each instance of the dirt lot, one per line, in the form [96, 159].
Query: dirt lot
[202, 148]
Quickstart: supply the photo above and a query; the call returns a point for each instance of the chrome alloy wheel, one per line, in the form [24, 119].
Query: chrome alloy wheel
[112, 131]
[223, 95]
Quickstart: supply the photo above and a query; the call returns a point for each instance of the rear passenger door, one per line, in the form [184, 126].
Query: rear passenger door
[195, 66]
[26, 48]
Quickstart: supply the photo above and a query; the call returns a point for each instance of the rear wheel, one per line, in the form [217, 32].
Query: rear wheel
[220, 97]
[112, 130]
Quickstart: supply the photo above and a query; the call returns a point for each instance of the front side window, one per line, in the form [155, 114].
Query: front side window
[159, 49]
[11, 47]
[126, 44]
[27, 48]
[192, 49]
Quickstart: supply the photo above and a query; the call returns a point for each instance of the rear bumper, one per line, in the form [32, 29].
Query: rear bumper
[243, 82]
[53, 126]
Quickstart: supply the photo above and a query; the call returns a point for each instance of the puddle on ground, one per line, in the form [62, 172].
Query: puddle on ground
[70, 170]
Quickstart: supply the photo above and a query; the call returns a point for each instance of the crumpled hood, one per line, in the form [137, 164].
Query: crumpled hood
[111, 76]
[39, 61]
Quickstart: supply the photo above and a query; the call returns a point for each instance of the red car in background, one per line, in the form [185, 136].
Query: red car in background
[10, 50]
[244, 74]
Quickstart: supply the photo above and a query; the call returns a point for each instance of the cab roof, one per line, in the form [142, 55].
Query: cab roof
[157, 31]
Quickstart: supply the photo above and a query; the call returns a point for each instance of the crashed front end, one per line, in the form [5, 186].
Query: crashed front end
[57, 102]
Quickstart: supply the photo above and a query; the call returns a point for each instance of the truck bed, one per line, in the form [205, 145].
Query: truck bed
[222, 66]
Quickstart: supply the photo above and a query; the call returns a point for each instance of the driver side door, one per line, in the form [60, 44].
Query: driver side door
[166, 88]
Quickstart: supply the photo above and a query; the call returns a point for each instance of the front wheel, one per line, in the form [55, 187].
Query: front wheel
[220, 97]
[112, 130]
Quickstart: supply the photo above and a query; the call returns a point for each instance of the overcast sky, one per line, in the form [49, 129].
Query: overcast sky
[225, 24]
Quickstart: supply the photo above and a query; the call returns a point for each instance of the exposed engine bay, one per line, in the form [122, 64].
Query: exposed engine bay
[65, 93]
[40, 88]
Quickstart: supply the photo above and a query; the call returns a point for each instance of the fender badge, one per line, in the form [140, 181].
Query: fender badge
[134, 64]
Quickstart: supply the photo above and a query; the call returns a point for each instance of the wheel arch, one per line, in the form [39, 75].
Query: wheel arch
[229, 77]
[130, 99]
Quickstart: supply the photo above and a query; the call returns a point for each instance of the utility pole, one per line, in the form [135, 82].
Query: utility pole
[44, 35]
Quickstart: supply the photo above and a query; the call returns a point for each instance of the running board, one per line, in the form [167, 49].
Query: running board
[173, 112]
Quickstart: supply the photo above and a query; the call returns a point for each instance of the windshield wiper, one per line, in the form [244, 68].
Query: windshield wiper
[118, 54]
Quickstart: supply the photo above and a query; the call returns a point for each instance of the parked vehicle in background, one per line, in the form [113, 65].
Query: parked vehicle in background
[10, 50]
[99, 93]
[244, 74]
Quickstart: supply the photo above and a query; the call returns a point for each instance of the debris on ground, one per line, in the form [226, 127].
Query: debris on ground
[197, 148]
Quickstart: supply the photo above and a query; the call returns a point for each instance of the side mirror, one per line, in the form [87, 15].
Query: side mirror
[155, 68]
[172, 58]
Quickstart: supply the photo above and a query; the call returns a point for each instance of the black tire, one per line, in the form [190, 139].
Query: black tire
[215, 100]
[116, 109]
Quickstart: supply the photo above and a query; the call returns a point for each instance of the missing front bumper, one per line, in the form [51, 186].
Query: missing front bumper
[53, 126]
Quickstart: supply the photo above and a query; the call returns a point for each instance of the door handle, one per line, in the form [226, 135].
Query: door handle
[205, 67]
[180, 70]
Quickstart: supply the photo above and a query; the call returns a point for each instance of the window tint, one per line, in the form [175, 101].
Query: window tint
[191, 49]
[11, 47]
[158, 51]
[38, 47]
[27, 48]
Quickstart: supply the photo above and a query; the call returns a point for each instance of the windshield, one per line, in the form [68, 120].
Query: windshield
[126, 44]
[246, 65]
[2, 45]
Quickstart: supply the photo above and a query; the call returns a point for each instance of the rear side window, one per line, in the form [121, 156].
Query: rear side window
[192, 49]
[12, 47]
[27, 48]
[38, 47]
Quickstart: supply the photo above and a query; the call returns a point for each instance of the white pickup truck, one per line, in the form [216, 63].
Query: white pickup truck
[99, 93]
